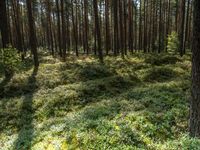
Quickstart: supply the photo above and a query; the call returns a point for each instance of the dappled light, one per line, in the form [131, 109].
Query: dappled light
[99, 74]
[90, 104]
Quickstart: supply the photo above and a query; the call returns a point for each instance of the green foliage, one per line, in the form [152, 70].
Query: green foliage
[160, 75]
[124, 104]
[9, 59]
[90, 72]
[173, 42]
[159, 60]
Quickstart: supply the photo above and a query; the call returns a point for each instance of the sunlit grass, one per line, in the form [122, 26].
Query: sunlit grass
[137, 103]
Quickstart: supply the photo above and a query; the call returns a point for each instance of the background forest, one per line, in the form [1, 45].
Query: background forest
[112, 27]
[97, 74]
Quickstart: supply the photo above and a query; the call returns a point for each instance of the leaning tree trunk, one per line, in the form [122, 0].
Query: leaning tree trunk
[195, 99]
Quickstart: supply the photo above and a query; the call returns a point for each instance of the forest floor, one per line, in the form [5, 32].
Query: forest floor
[140, 102]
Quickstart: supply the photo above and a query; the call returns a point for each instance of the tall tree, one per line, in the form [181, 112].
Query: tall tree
[181, 27]
[86, 26]
[15, 5]
[160, 42]
[116, 29]
[4, 24]
[98, 31]
[140, 27]
[58, 27]
[145, 27]
[49, 26]
[121, 27]
[125, 25]
[75, 32]
[130, 22]
[32, 33]
[107, 17]
[194, 127]
[187, 25]
[63, 17]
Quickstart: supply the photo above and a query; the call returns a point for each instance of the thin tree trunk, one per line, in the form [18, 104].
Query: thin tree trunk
[107, 17]
[86, 25]
[186, 27]
[63, 16]
[115, 15]
[181, 27]
[58, 28]
[121, 29]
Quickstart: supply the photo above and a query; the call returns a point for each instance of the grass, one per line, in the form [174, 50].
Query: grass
[137, 103]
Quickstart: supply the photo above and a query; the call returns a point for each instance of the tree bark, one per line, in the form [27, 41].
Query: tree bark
[107, 17]
[181, 27]
[98, 32]
[194, 127]
[116, 29]
[63, 17]
[58, 27]
[32, 34]
[4, 24]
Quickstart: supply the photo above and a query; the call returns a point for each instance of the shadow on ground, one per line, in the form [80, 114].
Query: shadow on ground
[25, 126]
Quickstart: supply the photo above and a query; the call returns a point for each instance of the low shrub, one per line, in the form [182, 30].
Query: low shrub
[162, 60]
[160, 75]
[90, 72]
[9, 59]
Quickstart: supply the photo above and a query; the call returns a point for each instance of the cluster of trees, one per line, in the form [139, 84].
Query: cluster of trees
[95, 26]
[102, 27]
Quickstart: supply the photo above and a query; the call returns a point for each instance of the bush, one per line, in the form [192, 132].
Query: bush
[91, 72]
[9, 59]
[173, 42]
[160, 75]
[162, 60]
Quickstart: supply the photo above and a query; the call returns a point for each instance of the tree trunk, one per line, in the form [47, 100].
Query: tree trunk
[186, 26]
[75, 34]
[4, 24]
[98, 32]
[130, 22]
[160, 28]
[63, 17]
[195, 99]
[58, 27]
[107, 26]
[121, 29]
[181, 27]
[86, 25]
[116, 29]
[32, 34]
[145, 28]
[140, 27]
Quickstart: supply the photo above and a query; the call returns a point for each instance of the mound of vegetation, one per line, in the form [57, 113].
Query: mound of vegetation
[90, 72]
[162, 60]
[84, 105]
[160, 74]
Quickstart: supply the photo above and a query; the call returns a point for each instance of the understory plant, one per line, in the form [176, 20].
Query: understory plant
[9, 60]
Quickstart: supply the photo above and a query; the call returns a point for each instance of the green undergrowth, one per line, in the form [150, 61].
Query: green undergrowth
[140, 102]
